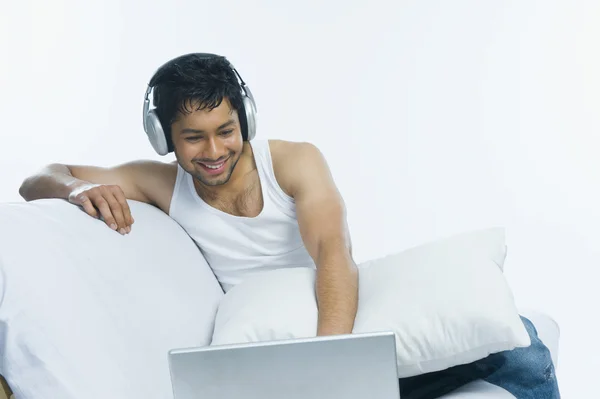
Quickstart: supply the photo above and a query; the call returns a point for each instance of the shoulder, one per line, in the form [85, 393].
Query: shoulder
[293, 153]
[295, 162]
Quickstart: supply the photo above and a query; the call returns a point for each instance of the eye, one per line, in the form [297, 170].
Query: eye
[227, 132]
[192, 139]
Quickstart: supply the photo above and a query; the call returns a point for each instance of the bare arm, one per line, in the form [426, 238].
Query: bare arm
[322, 221]
[54, 181]
[59, 181]
[104, 191]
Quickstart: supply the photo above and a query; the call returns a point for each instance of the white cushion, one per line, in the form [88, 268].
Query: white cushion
[489, 243]
[447, 306]
[88, 313]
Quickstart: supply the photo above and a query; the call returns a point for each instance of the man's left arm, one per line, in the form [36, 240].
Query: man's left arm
[321, 217]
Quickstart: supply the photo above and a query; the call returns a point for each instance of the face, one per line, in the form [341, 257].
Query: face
[208, 144]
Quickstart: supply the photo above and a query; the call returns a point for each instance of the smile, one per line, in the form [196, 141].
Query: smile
[213, 168]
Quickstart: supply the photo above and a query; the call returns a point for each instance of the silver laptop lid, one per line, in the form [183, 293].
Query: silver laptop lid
[353, 366]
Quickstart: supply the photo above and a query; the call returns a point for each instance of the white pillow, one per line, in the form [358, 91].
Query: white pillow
[447, 307]
[487, 243]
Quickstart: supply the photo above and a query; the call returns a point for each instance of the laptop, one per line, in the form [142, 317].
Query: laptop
[351, 366]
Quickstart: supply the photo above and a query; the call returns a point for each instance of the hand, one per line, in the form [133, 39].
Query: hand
[107, 201]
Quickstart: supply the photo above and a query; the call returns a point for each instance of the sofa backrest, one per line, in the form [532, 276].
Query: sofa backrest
[88, 313]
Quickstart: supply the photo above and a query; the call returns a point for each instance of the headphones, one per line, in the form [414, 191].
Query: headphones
[155, 131]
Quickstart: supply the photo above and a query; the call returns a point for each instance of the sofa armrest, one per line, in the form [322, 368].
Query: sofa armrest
[81, 304]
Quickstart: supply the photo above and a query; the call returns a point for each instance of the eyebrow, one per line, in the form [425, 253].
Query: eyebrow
[224, 125]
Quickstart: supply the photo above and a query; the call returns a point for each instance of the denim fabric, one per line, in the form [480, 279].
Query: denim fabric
[527, 373]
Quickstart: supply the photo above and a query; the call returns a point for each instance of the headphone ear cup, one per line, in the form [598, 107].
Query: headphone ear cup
[250, 113]
[156, 134]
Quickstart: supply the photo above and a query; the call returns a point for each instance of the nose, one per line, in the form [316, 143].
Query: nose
[214, 149]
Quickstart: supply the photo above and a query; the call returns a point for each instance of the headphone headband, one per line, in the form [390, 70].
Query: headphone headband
[151, 122]
[147, 106]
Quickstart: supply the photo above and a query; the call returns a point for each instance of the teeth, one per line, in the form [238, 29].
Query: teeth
[214, 167]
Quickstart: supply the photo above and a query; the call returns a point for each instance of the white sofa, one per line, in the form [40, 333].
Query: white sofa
[88, 313]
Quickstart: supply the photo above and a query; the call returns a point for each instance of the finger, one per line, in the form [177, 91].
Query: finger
[120, 197]
[105, 211]
[88, 207]
[117, 212]
[126, 212]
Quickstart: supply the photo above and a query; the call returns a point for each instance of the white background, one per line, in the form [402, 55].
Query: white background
[436, 117]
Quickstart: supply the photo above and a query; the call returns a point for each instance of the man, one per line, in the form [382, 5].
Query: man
[250, 205]
[200, 109]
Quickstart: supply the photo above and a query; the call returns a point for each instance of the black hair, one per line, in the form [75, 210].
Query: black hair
[197, 78]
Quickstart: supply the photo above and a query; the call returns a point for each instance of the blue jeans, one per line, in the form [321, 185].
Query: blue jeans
[524, 372]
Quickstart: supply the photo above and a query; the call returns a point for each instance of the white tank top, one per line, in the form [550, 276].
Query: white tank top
[236, 247]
